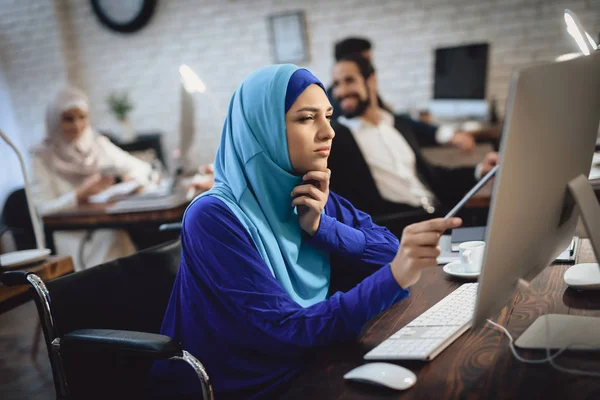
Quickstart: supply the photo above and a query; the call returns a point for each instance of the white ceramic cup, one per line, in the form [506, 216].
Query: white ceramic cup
[471, 126]
[471, 255]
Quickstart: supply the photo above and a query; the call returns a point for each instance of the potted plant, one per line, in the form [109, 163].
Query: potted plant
[120, 106]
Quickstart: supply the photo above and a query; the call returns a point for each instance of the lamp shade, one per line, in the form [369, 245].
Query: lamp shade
[582, 38]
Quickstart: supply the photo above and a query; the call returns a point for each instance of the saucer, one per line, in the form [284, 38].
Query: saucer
[456, 268]
[18, 259]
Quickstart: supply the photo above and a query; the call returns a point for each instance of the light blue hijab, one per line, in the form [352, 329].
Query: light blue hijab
[254, 178]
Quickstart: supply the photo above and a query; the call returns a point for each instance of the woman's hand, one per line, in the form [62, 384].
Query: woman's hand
[207, 169]
[201, 185]
[311, 198]
[93, 185]
[419, 249]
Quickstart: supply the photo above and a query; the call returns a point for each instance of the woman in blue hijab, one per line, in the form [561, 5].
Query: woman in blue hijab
[274, 266]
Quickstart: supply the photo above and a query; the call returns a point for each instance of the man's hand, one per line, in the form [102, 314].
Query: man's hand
[488, 163]
[311, 198]
[419, 249]
[464, 141]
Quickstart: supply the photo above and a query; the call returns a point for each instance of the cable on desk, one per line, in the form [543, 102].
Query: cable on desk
[549, 356]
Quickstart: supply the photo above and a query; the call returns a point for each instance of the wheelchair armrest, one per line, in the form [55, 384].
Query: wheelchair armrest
[151, 345]
[14, 278]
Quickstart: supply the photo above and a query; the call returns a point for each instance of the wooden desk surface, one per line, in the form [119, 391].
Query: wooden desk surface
[96, 214]
[52, 267]
[477, 365]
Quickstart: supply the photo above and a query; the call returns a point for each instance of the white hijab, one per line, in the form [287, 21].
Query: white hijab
[76, 160]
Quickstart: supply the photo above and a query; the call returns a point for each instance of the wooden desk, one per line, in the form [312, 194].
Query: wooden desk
[479, 365]
[52, 267]
[96, 216]
[493, 132]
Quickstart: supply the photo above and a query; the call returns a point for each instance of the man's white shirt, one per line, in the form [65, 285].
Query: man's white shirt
[390, 159]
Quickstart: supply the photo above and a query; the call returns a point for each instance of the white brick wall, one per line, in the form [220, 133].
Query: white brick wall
[31, 60]
[225, 40]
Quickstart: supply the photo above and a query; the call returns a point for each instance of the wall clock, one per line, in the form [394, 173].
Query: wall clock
[124, 16]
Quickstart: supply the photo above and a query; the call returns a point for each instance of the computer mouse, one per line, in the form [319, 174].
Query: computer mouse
[584, 276]
[384, 374]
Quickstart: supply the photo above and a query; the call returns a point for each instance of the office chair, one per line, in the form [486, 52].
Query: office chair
[101, 325]
[15, 219]
[172, 227]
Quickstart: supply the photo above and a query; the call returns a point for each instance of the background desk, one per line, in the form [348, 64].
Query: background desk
[95, 216]
[479, 365]
[50, 268]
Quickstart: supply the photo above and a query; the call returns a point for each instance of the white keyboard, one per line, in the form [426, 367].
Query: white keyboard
[431, 332]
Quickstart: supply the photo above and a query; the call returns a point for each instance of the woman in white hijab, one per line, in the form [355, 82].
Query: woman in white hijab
[66, 172]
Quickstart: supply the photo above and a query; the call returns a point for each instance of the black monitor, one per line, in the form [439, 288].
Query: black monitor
[461, 72]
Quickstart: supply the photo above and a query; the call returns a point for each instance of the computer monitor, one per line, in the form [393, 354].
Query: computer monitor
[461, 72]
[190, 85]
[460, 79]
[548, 140]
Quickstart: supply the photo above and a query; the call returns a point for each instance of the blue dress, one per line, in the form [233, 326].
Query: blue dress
[229, 311]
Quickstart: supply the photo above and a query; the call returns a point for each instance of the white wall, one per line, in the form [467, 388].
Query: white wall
[225, 40]
[32, 62]
[11, 177]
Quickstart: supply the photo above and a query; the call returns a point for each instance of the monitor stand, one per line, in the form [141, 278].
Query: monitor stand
[557, 331]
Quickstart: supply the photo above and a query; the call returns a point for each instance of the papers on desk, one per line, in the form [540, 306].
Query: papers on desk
[151, 204]
[568, 255]
[595, 171]
[448, 256]
[152, 191]
[115, 192]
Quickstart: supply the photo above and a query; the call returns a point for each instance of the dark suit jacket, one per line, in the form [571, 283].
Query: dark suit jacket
[352, 178]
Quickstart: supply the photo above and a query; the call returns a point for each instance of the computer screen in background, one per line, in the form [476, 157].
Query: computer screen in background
[548, 141]
[460, 79]
[461, 72]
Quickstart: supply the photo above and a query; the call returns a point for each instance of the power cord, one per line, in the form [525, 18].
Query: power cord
[549, 356]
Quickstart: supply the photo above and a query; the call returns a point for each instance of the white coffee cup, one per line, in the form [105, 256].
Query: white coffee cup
[471, 255]
[471, 126]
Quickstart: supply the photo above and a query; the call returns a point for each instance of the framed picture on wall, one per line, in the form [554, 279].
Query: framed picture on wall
[288, 37]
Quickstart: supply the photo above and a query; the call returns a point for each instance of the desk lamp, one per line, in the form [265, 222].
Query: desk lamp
[584, 41]
[22, 257]
[582, 38]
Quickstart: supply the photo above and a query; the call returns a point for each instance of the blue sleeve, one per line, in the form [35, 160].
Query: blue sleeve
[219, 253]
[351, 234]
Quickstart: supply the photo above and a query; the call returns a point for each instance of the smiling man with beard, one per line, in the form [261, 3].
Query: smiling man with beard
[376, 160]
[427, 134]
